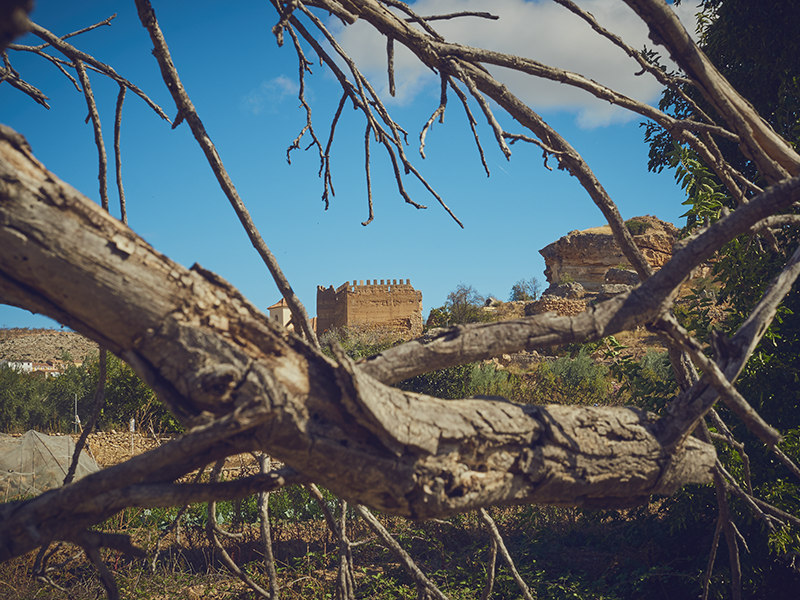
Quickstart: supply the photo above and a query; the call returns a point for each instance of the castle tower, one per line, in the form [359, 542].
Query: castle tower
[385, 304]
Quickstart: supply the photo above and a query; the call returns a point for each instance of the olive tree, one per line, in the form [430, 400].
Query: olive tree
[239, 382]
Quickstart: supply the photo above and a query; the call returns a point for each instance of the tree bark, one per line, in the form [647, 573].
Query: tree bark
[238, 382]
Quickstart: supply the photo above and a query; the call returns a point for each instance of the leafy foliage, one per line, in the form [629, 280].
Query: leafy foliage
[29, 402]
[464, 305]
[696, 311]
[706, 196]
[637, 227]
[526, 290]
[756, 48]
[648, 383]
[578, 380]
[21, 405]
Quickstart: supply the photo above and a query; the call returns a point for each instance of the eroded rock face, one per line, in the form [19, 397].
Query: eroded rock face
[622, 276]
[42, 345]
[609, 290]
[586, 256]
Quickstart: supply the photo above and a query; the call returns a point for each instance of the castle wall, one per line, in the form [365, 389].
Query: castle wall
[386, 303]
[331, 309]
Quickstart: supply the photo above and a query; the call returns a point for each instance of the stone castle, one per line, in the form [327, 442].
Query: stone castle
[385, 305]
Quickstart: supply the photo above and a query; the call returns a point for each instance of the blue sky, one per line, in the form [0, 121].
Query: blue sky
[245, 89]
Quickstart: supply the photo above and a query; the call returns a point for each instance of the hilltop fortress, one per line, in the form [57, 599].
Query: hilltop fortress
[386, 305]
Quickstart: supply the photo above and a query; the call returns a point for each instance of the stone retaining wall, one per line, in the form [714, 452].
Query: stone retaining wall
[563, 306]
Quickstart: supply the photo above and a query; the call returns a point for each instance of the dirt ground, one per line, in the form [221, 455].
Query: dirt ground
[109, 448]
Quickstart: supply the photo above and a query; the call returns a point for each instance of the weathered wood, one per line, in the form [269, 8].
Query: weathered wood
[241, 382]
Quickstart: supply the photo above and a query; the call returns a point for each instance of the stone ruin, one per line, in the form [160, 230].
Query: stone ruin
[386, 305]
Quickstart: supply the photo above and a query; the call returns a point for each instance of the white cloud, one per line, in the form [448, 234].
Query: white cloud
[541, 30]
[269, 94]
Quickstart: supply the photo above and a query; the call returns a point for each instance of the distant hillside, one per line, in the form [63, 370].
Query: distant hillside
[41, 345]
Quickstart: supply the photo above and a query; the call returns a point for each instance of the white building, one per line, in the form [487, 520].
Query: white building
[281, 313]
[22, 366]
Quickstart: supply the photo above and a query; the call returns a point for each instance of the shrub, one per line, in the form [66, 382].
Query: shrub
[565, 381]
[360, 341]
[637, 227]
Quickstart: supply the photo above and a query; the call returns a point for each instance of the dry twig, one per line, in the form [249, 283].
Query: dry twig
[187, 111]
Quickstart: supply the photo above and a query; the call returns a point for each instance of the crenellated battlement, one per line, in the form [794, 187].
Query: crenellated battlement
[388, 303]
[388, 286]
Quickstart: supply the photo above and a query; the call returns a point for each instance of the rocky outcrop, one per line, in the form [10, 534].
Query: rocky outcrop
[572, 291]
[622, 276]
[609, 290]
[42, 345]
[586, 256]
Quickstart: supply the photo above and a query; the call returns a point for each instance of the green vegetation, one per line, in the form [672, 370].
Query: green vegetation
[359, 341]
[31, 402]
[525, 290]
[660, 549]
[756, 48]
[565, 279]
[464, 305]
[560, 553]
[637, 227]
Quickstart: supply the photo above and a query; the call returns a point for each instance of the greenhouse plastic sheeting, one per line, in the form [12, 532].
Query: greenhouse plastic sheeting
[35, 462]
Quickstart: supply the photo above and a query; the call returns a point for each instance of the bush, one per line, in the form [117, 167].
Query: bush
[29, 402]
[487, 380]
[360, 341]
[464, 305]
[21, 404]
[525, 290]
[637, 227]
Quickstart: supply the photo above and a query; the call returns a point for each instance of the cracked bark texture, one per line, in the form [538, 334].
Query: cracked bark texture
[238, 382]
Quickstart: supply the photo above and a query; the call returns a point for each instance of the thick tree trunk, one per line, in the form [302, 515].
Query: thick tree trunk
[221, 366]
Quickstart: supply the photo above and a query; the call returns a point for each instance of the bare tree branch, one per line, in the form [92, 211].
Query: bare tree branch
[732, 398]
[369, 179]
[712, 557]
[487, 111]
[213, 530]
[303, 65]
[239, 383]
[118, 154]
[106, 21]
[59, 63]
[390, 65]
[264, 466]
[491, 568]
[498, 540]
[75, 54]
[98, 134]
[9, 75]
[472, 122]
[364, 98]
[99, 402]
[775, 159]
[455, 15]
[470, 343]
[255, 388]
[187, 111]
[425, 587]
